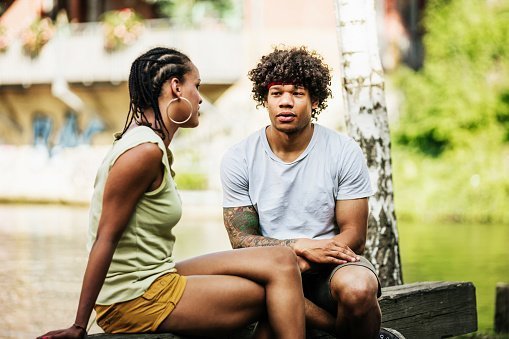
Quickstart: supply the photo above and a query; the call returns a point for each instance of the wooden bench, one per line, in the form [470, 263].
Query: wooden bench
[419, 310]
[430, 309]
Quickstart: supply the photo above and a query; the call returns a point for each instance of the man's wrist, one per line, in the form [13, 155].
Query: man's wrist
[298, 245]
[290, 243]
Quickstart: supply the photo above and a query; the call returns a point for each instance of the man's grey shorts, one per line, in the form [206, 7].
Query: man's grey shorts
[316, 284]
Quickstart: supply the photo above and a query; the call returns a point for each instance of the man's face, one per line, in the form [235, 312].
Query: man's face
[289, 107]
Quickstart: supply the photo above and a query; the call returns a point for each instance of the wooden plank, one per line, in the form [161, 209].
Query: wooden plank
[419, 310]
[244, 333]
[502, 308]
[240, 334]
[430, 309]
[136, 336]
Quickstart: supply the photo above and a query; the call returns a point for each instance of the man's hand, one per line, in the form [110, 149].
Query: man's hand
[304, 265]
[325, 251]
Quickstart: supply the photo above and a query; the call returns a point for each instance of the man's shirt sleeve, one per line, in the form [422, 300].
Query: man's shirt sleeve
[234, 179]
[353, 176]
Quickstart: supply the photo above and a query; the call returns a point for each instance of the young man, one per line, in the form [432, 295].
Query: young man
[298, 184]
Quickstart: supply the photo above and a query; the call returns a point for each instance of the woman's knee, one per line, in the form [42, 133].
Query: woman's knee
[285, 256]
[283, 259]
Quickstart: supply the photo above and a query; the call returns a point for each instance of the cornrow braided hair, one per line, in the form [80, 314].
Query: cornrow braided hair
[296, 66]
[146, 78]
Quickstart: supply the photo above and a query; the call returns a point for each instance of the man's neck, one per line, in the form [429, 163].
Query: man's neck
[289, 146]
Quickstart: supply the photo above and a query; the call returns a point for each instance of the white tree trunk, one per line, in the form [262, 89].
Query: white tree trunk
[367, 123]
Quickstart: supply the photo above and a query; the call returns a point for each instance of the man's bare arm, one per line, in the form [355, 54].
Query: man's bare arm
[243, 227]
[352, 218]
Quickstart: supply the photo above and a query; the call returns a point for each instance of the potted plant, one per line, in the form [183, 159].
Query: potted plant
[121, 28]
[35, 36]
[4, 42]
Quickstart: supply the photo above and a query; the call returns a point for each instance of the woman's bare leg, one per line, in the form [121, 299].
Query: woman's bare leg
[215, 305]
[273, 268]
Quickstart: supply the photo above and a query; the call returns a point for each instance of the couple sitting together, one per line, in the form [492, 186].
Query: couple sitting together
[295, 197]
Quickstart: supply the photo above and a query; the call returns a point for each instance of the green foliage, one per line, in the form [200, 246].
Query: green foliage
[193, 12]
[471, 185]
[463, 88]
[502, 113]
[189, 174]
[191, 181]
[451, 144]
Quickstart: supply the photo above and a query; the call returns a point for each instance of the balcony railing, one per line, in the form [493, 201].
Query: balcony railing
[77, 55]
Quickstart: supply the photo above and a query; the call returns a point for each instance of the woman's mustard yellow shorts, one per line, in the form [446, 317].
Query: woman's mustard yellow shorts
[145, 313]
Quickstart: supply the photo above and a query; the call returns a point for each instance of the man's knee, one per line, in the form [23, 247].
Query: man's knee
[355, 290]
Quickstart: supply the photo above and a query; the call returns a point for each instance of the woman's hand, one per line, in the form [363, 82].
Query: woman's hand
[73, 332]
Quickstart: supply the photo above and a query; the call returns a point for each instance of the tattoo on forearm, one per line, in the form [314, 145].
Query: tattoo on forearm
[243, 227]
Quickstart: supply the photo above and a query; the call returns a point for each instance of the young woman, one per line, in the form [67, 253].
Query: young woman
[131, 278]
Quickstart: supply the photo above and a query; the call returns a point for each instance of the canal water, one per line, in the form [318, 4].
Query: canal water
[43, 256]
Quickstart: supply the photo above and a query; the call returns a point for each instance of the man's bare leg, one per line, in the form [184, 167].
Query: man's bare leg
[317, 317]
[359, 316]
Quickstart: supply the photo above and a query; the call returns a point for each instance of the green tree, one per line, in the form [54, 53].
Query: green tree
[454, 124]
[463, 88]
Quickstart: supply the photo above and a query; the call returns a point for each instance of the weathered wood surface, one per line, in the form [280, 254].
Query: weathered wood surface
[430, 309]
[502, 308]
[419, 310]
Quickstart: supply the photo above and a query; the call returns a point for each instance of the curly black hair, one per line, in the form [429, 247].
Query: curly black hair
[297, 66]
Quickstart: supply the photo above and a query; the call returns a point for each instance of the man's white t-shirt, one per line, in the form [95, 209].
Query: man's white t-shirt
[296, 199]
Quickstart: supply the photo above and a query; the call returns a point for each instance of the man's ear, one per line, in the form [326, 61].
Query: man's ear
[314, 104]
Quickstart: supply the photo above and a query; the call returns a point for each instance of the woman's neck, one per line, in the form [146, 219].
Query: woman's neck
[150, 118]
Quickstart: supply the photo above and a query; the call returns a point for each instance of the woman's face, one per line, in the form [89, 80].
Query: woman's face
[190, 90]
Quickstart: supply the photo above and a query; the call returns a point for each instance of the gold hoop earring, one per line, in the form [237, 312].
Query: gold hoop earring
[190, 114]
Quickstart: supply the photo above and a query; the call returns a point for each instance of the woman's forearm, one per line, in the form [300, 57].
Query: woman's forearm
[99, 261]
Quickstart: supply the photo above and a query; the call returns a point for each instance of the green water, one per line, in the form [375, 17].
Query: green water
[458, 252]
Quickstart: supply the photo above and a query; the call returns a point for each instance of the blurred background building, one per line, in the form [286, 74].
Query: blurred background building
[64, 66]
